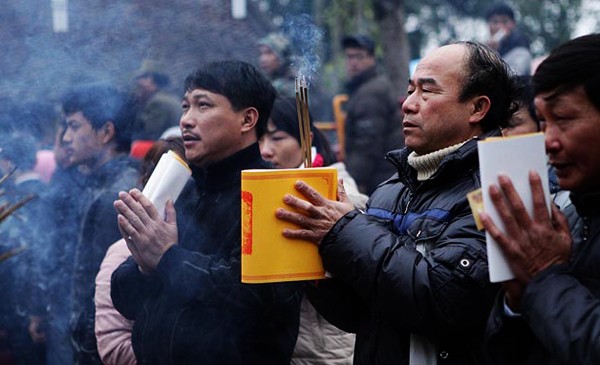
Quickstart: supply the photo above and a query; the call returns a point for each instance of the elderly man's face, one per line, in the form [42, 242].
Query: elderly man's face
[572, 138]
[434, 118]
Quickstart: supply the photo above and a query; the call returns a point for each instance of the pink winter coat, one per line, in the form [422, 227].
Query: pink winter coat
[113, 331]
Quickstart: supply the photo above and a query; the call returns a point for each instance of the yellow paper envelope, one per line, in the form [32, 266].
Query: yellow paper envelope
[268, 256]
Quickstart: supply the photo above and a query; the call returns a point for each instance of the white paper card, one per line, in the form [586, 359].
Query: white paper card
[167, 181]
[514, 157]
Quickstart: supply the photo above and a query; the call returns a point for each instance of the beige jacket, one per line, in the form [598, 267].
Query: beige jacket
[319, 342]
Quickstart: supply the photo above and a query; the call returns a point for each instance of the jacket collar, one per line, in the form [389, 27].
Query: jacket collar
[109, 170]
[587, 204]
[464, 158]
[227, 172]
[514, 40]
[354, 83]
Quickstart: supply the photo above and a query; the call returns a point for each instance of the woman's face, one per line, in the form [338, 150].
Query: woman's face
[280, 148]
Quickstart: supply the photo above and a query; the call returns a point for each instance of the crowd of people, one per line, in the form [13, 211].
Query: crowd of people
[92, 273]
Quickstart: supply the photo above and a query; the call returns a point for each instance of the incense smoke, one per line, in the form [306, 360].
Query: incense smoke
[102, 42]
[306, 38]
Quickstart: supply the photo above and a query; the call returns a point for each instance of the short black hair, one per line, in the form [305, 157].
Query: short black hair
[525, 97]
[101, 103]
[570, 65]
[487, 74]
[500, 9]
[161, 80]
[241, 83]
[285, 118]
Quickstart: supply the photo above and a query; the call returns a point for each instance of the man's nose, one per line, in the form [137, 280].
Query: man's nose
[409, 104]
[186, 121]
[551, 139]
[67, 137]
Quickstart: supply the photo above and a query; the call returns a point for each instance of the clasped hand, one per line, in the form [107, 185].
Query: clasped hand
[147, 235]
[530, 243]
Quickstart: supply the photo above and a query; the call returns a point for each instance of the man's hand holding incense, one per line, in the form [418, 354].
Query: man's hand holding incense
[530, 244]
[316, 214]
[148, 236]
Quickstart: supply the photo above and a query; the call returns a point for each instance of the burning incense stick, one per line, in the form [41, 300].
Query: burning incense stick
[8, 209]
[303, 119]
[12, 252]
[5, 177]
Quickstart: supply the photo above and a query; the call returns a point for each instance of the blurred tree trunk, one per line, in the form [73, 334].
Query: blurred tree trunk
[359, 17]
[389, 14]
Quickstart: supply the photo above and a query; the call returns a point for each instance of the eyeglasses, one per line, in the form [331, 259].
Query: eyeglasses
[356, 56]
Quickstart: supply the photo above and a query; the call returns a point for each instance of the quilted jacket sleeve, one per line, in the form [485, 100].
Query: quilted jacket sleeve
[446, 290]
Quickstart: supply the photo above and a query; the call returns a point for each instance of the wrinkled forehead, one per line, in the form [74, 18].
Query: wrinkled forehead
[561, 97]
[444, 63]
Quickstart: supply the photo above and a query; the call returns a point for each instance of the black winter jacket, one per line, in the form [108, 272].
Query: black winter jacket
[194, 309]
[414, 263]
[98, 230]
[373, 127]
[560, 307]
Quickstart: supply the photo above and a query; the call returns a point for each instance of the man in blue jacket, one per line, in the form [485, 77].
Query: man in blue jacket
[410, 274]
[182, 285]
[550, 313]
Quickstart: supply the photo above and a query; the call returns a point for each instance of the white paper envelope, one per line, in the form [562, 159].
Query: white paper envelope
[514, 157]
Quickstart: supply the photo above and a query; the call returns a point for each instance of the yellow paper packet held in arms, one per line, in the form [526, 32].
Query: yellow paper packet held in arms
[268, 256]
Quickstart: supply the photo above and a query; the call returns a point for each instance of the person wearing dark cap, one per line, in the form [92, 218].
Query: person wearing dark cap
[372, 124]
[507, 39]
[158, 110]
[275, 61]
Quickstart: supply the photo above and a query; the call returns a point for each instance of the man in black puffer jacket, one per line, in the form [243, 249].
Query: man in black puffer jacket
[410, 274]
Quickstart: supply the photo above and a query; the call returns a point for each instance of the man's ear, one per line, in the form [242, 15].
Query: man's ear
[250, 119]
[107, 131]
[480, 105]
